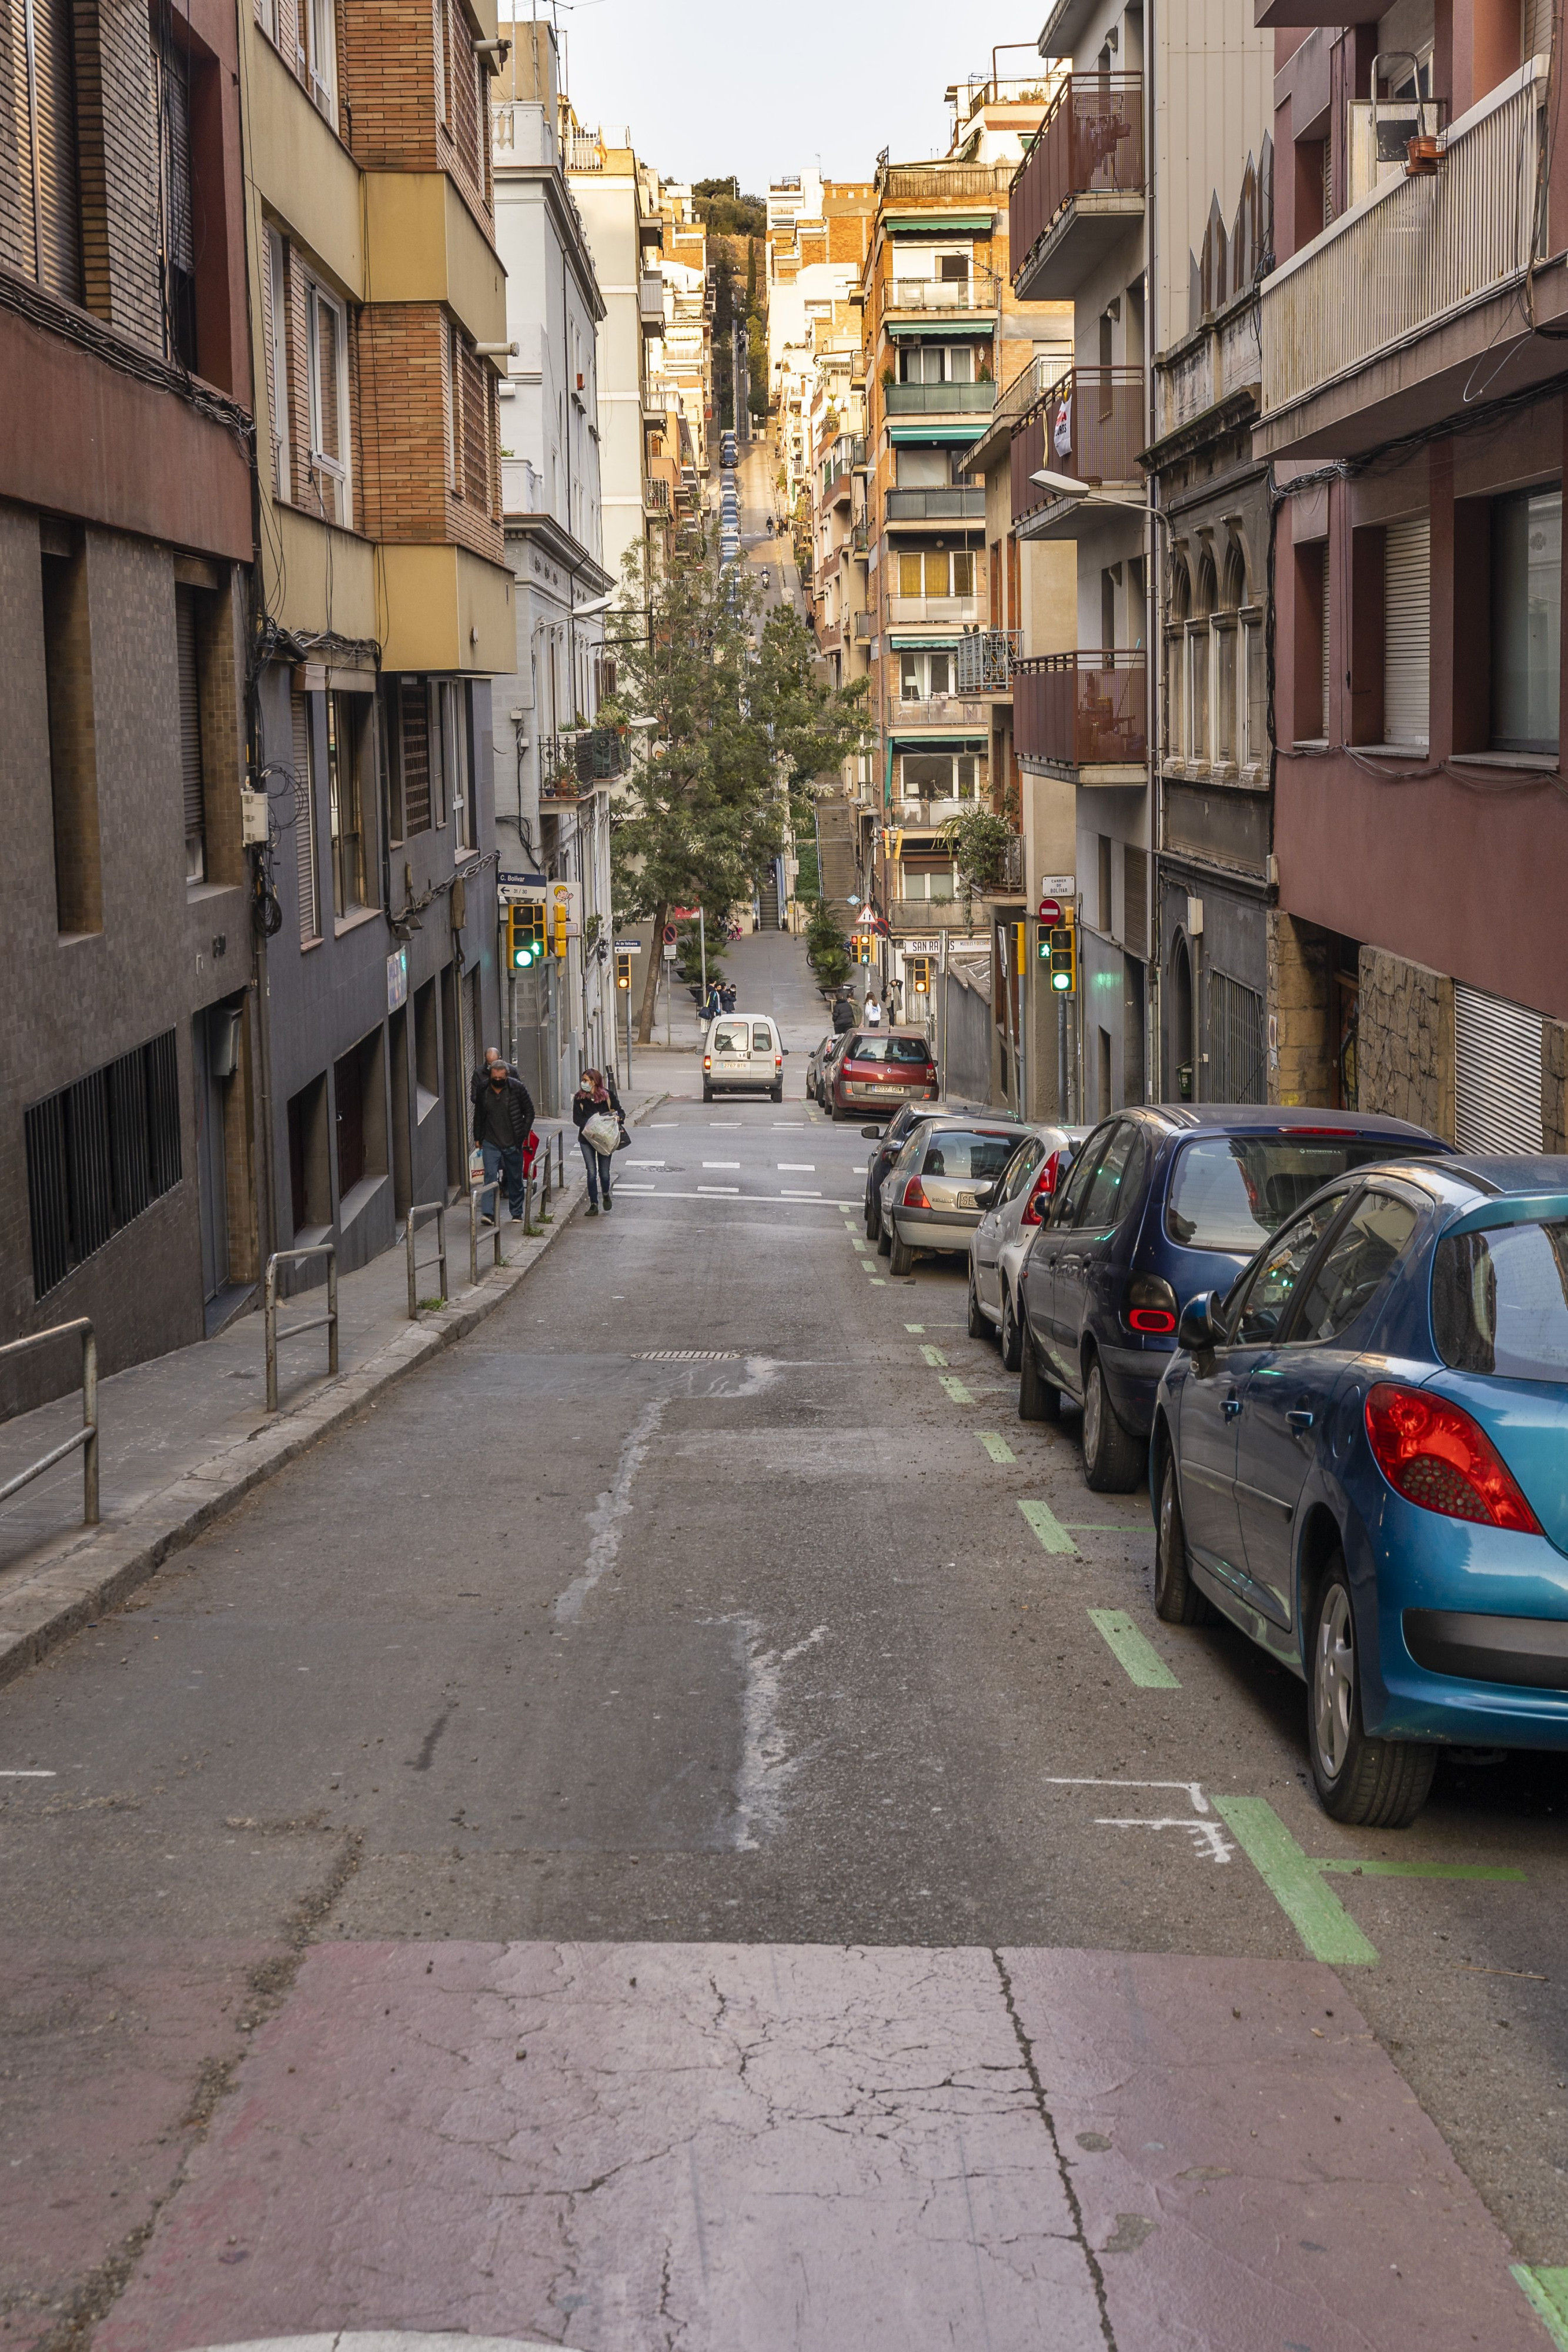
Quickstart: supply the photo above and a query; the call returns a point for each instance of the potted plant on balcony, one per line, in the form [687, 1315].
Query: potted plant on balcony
[980, 842]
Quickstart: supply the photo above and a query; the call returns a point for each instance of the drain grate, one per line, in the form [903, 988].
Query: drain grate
[690, 1356]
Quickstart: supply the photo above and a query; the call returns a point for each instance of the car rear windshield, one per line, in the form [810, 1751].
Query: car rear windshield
[1231, 1191]
[968, 1153]
[884, 1048]
[729, 1037]
[1500, 1301]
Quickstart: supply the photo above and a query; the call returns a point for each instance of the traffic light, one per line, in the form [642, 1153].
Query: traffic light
[562, 917]
[623, 968]
[525, 934]
[920, 975]
[863, 947]
[1058, 948]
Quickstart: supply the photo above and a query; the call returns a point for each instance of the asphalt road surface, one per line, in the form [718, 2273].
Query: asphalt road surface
[681, 1828]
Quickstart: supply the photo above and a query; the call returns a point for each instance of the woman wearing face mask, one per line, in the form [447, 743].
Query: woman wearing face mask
[596, 1101]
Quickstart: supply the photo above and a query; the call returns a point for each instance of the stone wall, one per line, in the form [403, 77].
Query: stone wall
[1555, 1086]
[1301, 1030]
[1404, 1042]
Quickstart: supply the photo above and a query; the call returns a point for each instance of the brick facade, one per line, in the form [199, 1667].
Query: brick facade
[118, 162]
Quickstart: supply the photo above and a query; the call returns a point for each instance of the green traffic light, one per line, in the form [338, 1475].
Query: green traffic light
[1061, 981]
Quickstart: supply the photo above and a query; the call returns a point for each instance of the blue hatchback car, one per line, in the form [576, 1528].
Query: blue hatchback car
[1360, 1455]
[1165, 1202]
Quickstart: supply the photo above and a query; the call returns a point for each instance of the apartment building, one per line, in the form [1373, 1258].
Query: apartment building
[387, 604]
[938, 313]
[618, 199]
[555, 763]
[129, 1078]
[1413, 405]
[684, 356]
[817, 235]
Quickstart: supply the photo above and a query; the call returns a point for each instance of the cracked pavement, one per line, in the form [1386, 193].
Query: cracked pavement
[625, 1852]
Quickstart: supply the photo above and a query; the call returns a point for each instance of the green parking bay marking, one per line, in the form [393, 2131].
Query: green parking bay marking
[1140, 1660]
[1294, 1881]
[996, 1445]
[933, 1355]
[1047, 1527]
[955, 1388]
[1546, 2292]
[915, 1327]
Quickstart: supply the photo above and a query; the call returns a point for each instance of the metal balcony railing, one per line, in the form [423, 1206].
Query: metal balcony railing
[570, 764]
[1089, 425]
[862, 626]
[898, 183]
[975, 399]
[1090, 144]
[650, 302]
[952, 504]
[986, 659]
[1086, 709]
[904, 611]
[937, 710]
[979, 292]
[1417, 250]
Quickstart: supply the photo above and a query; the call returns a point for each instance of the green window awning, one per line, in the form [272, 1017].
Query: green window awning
[907, 641]
[903, 743]
[938, 223]
[939, 330]
[950, 429]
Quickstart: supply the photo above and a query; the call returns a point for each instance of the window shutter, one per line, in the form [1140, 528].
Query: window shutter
[909, 572]
[475, 433]
[274, 299]
[305, 822]
[18, 218]
[1535, 28]
[58, 193]
[1497, 1074]
[413, 728]
[464, 67]
[176, 207]
[1407, 631]
[1323, 623]
[1135, 900]
[190, 731]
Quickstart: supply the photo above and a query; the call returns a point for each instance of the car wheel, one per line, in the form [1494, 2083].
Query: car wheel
[1176, 1597]
[1038, 1399]
[979, 1328]
[874, 1218]
[883, 1239]
[1376, 1783]
[707, 1094]
[1113, 1457]
[778, 1092]
[900, 1256]
[1013, 1352]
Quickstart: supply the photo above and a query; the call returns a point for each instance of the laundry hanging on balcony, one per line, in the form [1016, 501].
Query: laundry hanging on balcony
[1062, 427]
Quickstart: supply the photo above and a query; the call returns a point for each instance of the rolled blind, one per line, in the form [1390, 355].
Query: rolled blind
[1496, 1074]
[19, 221]
[190, 711]
[54, 127]
[414, 727]
[1323, 620]
[1535, 28]
[305, 822]
[1406, 630]
[1135, 900]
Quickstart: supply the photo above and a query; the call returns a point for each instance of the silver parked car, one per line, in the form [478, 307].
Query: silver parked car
[931, 1194]
[1019, 1203]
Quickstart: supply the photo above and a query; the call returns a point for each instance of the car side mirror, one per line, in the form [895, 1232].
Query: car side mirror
[988, 1199]
[1196, 1332]
[871, 1134]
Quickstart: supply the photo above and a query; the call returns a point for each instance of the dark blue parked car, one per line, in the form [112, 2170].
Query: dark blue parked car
[1165, 1203]
[1361, 1455]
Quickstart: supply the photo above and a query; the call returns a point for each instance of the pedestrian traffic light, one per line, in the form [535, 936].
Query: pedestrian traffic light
[525, 934]
[1059, 949]
[920, 975]
[623, 968]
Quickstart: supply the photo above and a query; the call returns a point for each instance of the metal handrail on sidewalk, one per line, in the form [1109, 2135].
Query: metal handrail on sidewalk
[478, 1224]
[86, 1436]
[436, 1209]
[269, 1312]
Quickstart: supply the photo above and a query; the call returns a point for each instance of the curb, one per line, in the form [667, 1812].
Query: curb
[108, 1563]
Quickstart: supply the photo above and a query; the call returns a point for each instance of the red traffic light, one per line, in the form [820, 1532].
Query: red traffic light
[1051, 912]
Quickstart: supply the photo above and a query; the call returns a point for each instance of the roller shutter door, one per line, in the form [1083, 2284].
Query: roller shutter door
[1407, 631]
[1496, 1074]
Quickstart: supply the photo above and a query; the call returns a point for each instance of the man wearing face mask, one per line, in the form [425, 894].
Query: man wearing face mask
[503, 1120]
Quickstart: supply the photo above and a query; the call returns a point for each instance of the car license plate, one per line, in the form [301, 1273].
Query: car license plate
[888, 1090]
[968, 1200]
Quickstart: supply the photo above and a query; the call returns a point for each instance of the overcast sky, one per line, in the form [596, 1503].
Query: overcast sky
[706, 90]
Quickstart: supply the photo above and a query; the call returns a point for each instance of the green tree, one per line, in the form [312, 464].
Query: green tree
[825, 949]
[734, 724]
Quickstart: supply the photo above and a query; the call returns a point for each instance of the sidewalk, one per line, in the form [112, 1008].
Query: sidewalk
[183, 1437]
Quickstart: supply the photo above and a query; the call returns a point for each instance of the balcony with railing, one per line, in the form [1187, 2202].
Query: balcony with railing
[975, 399]
[918, 915]
[941, 297]
[986, 659]
[1079, 187]
[952, 502]
[1090, 425]
[941, 714]
[909, 611]
[924, 183]
[650, 302]
[1086, 713]
[1418, 251]
[572, 764]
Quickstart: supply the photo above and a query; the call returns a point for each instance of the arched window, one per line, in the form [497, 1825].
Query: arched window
[1234, 593]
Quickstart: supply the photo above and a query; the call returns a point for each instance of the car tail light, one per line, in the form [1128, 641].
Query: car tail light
[1041, 1193]
[1435, 1455]
[1150, 1306]
[707, 1061]
[778, 1061]
[915, 1194]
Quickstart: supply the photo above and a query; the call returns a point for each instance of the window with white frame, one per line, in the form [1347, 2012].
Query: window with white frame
[327, 371]
[922, 676]
[458, 760]
[941, 775]
[321, 54]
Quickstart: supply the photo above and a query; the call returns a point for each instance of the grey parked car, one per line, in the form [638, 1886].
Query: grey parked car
[930, 1196]
[1018, 1205]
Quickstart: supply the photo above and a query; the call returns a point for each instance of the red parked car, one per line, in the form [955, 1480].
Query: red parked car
[879, 1069]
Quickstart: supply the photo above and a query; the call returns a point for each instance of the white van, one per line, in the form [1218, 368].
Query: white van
[743, 1050]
